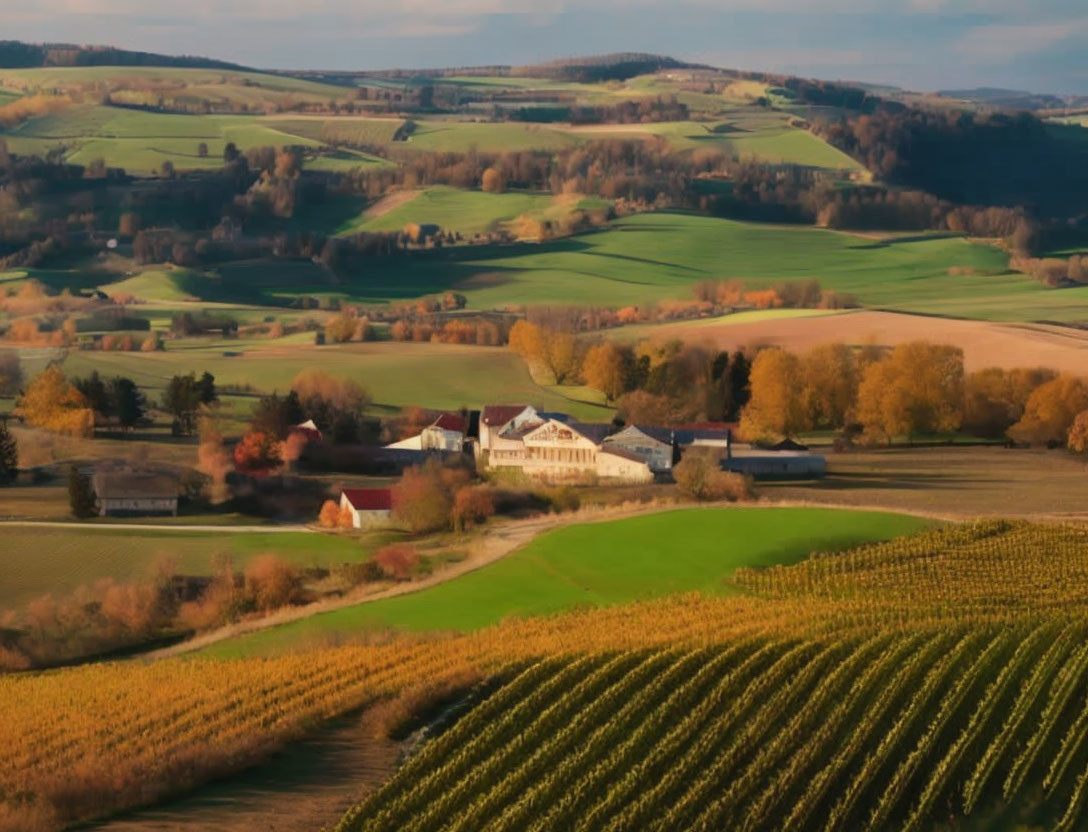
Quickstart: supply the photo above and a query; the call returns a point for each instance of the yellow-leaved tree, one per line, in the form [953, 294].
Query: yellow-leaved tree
[830, 374]
[50, 402]
[1051, 410]
[775, 408]
[916, 389]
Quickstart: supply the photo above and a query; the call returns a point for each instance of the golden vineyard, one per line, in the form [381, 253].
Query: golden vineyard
[924, 683]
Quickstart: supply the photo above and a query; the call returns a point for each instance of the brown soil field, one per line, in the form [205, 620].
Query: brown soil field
[389, 202]
[984, 344]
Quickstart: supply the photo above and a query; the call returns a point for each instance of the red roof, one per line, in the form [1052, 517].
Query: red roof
[498, 415]
[450, 421]
[370, 499]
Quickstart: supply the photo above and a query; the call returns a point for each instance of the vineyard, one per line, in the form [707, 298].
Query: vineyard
[928, 682]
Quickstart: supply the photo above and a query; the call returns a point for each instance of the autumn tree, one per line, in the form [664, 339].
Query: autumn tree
[272, 582]
[607, 368]
[423, 498]
[213, 459]
[257, 453]
[1051, 410]
[641, 407]
[329, 516]
[775, 408]
[50, 402]
[492, 181]
[916, 389]
[544, 349]
[9, 454]
[830, 383]
[699, 476]
[1078, 434]
[471, 505]
[994, 399]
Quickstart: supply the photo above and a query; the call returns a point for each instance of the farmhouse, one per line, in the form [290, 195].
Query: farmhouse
[499, 418]
[123, 493]
[651, 445]
[556, 450]
[369, 507]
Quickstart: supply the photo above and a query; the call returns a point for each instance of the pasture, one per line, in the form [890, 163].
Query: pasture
[440, 376]
[595, 564]
[37, 561]
[464, 212]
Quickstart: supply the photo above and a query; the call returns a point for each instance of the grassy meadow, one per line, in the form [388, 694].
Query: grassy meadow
[594, 564]
[36, 561]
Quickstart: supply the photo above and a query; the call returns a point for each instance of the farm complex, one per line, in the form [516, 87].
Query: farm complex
[608, 444]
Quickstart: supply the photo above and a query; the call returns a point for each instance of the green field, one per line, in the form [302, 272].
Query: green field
[397, 375]
[462, 136]
[140, 141]
[467, 212]
[689, 550]
[36, 561]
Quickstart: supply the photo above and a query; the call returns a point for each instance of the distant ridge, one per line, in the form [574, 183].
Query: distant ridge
[15, 54]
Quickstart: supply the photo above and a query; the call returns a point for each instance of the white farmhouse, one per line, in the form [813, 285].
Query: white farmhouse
[369, 507]
[497, 419]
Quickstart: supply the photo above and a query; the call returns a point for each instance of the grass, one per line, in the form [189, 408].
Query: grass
[467, 212]
[397, 375]
[602, 563]
[37, 561]
[462, 136]
[140, 141]
[650, 257]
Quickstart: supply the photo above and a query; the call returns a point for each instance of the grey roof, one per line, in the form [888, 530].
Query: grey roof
[622, 453]
[593, 431]
[135, 485]
[660, 434]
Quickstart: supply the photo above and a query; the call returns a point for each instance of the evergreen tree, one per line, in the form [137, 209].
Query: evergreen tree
[81, 494]
[9, 454]
[129, 403]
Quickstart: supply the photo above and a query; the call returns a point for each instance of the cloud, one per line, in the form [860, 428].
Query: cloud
[1000, 42]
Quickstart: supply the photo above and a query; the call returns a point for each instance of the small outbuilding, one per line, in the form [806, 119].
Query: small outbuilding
[621, 465]
[126, 493]
[369, 507]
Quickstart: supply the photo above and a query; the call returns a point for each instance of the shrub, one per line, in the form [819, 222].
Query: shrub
[397, 561]
[329, 516]
[272, 582]
[471, 505]
[699, 476]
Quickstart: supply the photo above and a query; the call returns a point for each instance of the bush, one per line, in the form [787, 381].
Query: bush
[699, 476]
[397, 561]
[272, 582]
[471, 505]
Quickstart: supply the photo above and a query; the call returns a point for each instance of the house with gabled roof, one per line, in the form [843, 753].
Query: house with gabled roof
[369, 507]
[653, 445]
[496, 419]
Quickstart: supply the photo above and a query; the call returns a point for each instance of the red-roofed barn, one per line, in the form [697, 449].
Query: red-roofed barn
[369, 507]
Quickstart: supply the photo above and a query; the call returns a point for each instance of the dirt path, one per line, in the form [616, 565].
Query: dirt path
[305, 787]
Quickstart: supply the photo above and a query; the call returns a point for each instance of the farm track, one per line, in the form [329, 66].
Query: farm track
[68, 524]
[300, 789]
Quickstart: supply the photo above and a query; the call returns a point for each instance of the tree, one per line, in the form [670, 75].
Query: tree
[81, 496]
[491, 181]
[181, 399]
[994, 399]
[11, 373]
[645, 408]
[1078, 434]
[605, 369]
[916, 389]
[471, 505]
[206, 389]
[329, 516]
[421, 499]
[9, 454]
[272, 582]
[775, 408]
[96, 393]
[129, 404]
[830, 379]
[1051, 410]
[257, 453]
[699, 475]
[50, 402]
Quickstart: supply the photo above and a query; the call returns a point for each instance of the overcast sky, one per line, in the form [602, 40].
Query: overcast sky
[1039, 45]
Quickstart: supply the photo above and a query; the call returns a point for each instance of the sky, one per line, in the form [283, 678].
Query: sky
[1036, 45]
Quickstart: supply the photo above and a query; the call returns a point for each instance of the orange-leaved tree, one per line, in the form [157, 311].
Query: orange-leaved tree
[774, 409]
[50, 402]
